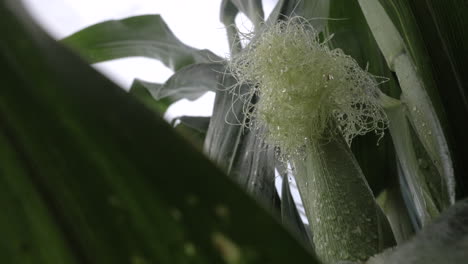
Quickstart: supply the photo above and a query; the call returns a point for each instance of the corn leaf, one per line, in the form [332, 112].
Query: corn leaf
[147, 36]
[415, 172]
[144, 91]
[316, 11]
[443, 241]
[198, 123]
[436, 37]
[228, 11]
[253, 9]
[392, 203]
[254, 167]
[225, 130]
[227, 15]
[193, 128]
[242, 155]
[290, 215]
[89, 175]
[448, 48]
[350, 32]
[191, 82]
[416, 84]
[191, 134]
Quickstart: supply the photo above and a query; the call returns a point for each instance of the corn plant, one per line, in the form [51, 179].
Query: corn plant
[362, 102]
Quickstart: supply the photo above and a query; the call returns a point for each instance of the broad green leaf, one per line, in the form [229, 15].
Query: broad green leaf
[193, 128]
[416, 170]
[289, 214]
[316, 11]
[228, 11]
[110, 181]
[351, 34]
[415, 93]
[254, 168]
[191, 82]
[242, 155]
[198, 123]
[144, 91]
[408, 199]
[435, 35]
[391, 202]
[443, 29]
[421, 113]
[443, 241]
[146, 36]
[227, 15]
[253, 9]
[25, 223]
[225, 130]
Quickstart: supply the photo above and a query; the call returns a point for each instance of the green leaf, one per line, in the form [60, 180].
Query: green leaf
[443, 31]
[193, 128]
[198, 123]
[146, 36]
[191, 82]
[316, 11]
[352, 34]
[25, 223]
[144, 91]
[241, 153]
[253, 9]
[227, 15]
[417, 171]
[391, 202]
[225, 131]
[436, 38]
[289, 214]
[193, 135]
[98, 178]
[416, 82]
[443, 241]
[254, 168]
